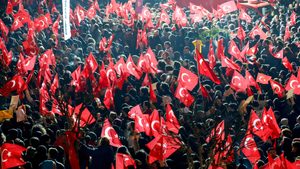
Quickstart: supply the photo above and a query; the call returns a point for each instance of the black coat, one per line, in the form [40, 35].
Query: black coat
[102, 156]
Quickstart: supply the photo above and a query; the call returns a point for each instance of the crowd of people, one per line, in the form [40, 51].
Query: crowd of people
[65, 101]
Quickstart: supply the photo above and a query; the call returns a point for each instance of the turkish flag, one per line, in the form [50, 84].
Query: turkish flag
[109, 132]
[11, 155]
[244, 16]
[220, 48]
[3, 27]
[234, 51]
[204, 68]
[269, 121]
[142, 124]
[47, 58]
[251, 81]
[152, 94]
[146, 81]
[279, 55]
[79, 14]
[228, 7]
[123, 161]
[67, 141]
[184, 96]
[164, 18]
[55, 26]
[262, 78]
[15, 84]
[90, 66]
[91, 12]
[293, 83]
[241, 34]
[171, 120]
[155, 123]
[54, 85]
[277, 88]
[217, 133]
[258, 31]
[132, 68]
[162, 147]
[120, 67]
[42, 22]
[75, 78]
[253, 50]
[143, 64]
[108, 98]
[226, 62]
[187, 78]
[238, 82]
[204, 91]
[249, 148]
[135, 111]
[287, 33]
[293, 18]
[286, 63]
[7, 57]
[256, 127]
[152, 61]
[211, 55]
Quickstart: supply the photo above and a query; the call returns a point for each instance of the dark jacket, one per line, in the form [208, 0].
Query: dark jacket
[102, 156]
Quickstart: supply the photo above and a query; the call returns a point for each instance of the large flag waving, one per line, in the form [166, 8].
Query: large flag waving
[11, 156]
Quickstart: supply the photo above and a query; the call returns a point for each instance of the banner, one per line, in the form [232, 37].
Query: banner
[66, 19]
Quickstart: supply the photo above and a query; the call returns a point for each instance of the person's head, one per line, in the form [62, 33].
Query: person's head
[104, 141]
[272, 152]
[52, 153]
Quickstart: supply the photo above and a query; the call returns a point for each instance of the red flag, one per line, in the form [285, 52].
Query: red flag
[238, 82]
[217, 133]
[286, 63]
[220, 49]
[16, 25]
[67, 141]
[108, 98]
[251, 81]
[146, 81]
[234, 51]
[184, 96]
[155, 123]
[150, 56]
[229, 63]
[29, 63]
[79, 14]
[253, 50]
[292, 83]
[179, 17]
[287, 33]
[204, 69]
[187, 78]
[142, 124]
[3, 27]
[15, 84]
[120, 67]
[123, 161]
[109, 132]
[103, 79]
[90, 66]
[244, 16]
[249, 148]
[258, 31]
[171, 120]
[262, 78]
[256, 127]
[132, 68]
[86, 118]
[136, 110]
[241, 34]
[204, 91]
[55, 26]
[42, 22]
[152, 94]
[269, 121]
[91, 12]
[164, 18]
[96, 5]
[54, 85]
[11, 155]
[228, 7]
[279, 55]
[293, 18]
[7, 57]
[9, 8]
[211, 55]
[162, 147]
[277, 88]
